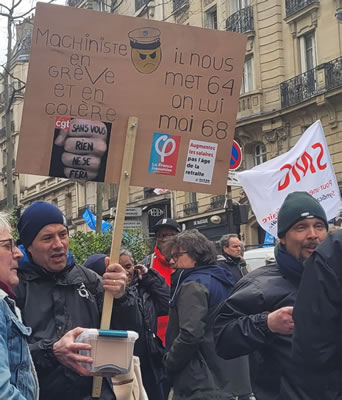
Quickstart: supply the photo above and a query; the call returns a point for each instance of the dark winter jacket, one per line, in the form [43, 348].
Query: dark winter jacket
[52, 304]
[317, 342]
[192, 364]
[236, 266]
[240, 366]
[241, 325]
[152, 295]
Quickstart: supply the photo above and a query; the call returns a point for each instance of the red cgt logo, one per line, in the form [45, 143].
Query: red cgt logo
[63, 123]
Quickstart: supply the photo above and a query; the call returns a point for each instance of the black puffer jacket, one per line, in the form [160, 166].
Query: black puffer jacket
[241, 327]
[152, 295]
[317, 342]
[52, 304]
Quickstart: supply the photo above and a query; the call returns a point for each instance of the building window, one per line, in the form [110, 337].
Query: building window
[308, 52]
[192, 197]
[236, 5]
[260, 154]
[211, 18]
[247, 77]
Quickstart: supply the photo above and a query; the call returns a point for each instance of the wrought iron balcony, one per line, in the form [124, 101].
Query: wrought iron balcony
[333, 74]
[217, 201]
[292, 6]
[241, 21]
[191, 208]
[299, 88]
[83, 208]
[179, 3]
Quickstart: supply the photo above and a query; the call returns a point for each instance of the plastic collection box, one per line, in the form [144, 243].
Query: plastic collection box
[111, 351]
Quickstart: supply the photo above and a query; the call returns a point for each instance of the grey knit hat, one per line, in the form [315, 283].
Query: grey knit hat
[298, 206]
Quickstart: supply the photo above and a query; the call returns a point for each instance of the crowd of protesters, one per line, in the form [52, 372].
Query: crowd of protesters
[207, 328]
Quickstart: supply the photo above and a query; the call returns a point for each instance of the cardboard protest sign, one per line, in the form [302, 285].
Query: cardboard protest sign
[306, 167]
[89, 71]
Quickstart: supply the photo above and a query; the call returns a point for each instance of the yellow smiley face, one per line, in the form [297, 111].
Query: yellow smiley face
[146, 61]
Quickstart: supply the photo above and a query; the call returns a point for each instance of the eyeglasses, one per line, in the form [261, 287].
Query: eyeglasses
[177, 255]
[165, 235]
[9, 244]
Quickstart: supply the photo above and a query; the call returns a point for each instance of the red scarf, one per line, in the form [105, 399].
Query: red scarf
[163, 267]
[7, 289]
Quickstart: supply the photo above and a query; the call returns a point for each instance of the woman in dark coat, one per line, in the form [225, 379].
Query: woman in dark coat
[198, 286]
[152, 294]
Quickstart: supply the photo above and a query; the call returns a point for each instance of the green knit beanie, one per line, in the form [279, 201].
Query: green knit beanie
[298, 206]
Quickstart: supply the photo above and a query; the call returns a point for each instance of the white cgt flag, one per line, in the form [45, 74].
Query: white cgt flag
[306, 167]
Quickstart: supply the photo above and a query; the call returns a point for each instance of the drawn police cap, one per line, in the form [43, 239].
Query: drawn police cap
[145, 38]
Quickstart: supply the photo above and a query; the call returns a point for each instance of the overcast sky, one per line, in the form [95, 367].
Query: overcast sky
[25, 6]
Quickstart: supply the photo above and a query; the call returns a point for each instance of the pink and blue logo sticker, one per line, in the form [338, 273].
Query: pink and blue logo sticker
[164, 154]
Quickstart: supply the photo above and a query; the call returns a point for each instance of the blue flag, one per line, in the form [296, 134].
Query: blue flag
[90, 219]
[269, 240]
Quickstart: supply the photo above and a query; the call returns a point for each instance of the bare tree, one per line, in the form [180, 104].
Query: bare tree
[13, 86]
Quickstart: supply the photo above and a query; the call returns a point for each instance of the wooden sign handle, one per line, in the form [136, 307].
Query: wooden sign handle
[125, 177]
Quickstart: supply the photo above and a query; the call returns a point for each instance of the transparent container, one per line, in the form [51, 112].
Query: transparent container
[111, 351]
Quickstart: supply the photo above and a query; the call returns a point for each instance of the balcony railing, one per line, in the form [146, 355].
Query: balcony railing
[241, 21]
[83, 208]
[191, 208]
[217, 201]
[292, 6]
[300, 88]
[333, 74]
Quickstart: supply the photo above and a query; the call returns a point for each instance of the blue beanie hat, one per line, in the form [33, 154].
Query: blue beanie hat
[96, 262]
[35, 217]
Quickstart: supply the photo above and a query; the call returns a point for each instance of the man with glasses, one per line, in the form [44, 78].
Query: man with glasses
[18, 379]
[56, 297]
[164, 229]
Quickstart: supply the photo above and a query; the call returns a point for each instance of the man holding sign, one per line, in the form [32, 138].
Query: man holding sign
[257, 318]
[56, 297]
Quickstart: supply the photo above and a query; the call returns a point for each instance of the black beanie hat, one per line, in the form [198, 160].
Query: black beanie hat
[298, 206]
[35, 217]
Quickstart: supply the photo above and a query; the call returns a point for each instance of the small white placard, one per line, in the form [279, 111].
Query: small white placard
[200, 162]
